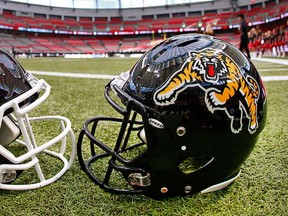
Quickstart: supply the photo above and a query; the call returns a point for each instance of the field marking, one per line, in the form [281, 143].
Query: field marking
[274, 78]
[274, 69]
[103, 76]
[75, 75]
[272, 60]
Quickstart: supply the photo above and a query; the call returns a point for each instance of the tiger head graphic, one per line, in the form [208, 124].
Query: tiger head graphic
[209, 67]
[209, 64]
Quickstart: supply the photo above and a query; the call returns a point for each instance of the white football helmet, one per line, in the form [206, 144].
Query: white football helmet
[41, 148]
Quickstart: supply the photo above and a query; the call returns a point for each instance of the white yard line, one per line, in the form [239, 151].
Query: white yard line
[267, 70]
[274, 78]
[272, 60]
[103, 76]
[75, 75]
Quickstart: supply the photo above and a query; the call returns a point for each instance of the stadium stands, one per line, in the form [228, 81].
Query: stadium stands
[100, 35]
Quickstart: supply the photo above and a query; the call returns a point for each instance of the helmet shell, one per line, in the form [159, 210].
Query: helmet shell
[211, 101]
[13, 78]
[202, 105]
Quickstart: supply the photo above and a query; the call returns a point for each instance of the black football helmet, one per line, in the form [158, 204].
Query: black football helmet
[189, 114]
[24, 154]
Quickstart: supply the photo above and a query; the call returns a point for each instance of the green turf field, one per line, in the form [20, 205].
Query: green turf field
[262, 188]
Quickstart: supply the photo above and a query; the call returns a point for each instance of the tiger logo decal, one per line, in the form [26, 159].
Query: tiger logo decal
[215, 67]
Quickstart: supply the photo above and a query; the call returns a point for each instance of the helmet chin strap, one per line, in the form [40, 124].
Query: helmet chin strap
[9, 131]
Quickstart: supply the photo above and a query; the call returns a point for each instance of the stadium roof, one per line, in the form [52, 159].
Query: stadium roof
[108, 4]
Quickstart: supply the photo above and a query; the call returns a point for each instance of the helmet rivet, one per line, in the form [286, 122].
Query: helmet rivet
[164, 190]
[188, 189]
[183, 148]
[181, 131]
[133, 181]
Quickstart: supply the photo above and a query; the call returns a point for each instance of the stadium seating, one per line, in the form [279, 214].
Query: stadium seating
[68, 35]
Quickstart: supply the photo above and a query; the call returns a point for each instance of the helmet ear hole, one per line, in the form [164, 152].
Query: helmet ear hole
[192, 164]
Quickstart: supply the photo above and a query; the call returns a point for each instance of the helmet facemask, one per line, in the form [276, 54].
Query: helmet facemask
[108, 147]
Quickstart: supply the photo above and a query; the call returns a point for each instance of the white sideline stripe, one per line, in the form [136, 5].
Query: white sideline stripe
[102, 76]
[274, 69]
[76, 75]
[272, 60]
[274, 78]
